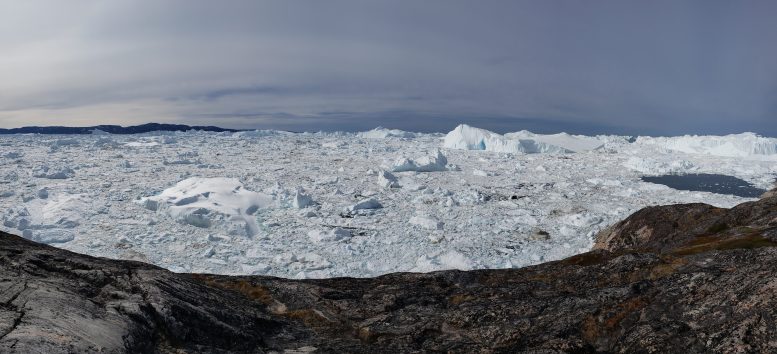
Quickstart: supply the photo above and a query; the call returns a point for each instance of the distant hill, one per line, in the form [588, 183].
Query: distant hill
[113, 129]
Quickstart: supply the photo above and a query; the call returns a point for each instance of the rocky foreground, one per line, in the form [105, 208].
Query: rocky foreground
[681, 278]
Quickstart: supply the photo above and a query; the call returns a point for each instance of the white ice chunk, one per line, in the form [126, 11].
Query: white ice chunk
[255, 269]
[369, 203]
[449, 260]
[49, 236]
[332, 235]
[426, 222]
[301, 200]
[480, 173]
[203, 202]
[428, 163]
[387, 180]
[53, 172]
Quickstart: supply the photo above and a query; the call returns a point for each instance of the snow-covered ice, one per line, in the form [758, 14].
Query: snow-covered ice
[349, 204]
[207, 202]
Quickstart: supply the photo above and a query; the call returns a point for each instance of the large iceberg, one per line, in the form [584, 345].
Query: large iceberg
[383, 133]
[427, 163]
[465, 137]
[734, 145]
[574, 143]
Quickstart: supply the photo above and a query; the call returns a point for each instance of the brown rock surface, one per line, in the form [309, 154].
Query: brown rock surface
[680, 278]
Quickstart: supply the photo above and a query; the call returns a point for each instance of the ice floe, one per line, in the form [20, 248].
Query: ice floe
[205, 202]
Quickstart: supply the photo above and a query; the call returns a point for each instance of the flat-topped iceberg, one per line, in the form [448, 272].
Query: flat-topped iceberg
[734, 145]
[383, 133]
[574, 143]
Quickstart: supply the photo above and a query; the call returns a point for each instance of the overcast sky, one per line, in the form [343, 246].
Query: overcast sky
[632, 67]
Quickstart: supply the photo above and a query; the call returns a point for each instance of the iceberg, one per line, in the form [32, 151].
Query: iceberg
[465, 137]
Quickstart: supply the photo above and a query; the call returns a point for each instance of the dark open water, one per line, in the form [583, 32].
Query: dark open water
[703, 182]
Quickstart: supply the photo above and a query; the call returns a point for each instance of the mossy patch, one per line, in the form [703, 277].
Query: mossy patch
[752, 241]
[717, 227]
[254, 292]
[309, 317]
[664, 270]
[460, 299]
[586, 259]
[623, 310]
[594, 327]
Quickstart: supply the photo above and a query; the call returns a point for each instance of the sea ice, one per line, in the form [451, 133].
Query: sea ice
[53, 172]
[332, 235]
[531, 207]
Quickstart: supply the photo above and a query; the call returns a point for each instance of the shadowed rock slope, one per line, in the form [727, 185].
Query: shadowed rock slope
[681, 278]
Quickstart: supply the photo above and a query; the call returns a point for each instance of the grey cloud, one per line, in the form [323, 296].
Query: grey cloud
[658, 67]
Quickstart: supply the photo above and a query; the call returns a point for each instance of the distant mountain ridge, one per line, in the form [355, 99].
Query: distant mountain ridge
[113, 129]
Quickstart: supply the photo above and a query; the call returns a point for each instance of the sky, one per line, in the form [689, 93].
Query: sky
[624, 67]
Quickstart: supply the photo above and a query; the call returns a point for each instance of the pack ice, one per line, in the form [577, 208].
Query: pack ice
[312, 205]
